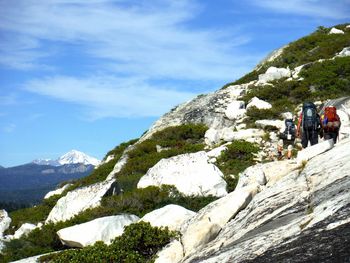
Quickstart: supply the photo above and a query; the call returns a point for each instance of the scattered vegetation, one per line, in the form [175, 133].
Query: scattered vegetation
[238, 156]
[32, 214]
[173, 140]
[139, 243]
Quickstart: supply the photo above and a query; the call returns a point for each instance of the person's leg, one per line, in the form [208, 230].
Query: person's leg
[335, 137]
[304, 139]
[314, 137]
[327, 136]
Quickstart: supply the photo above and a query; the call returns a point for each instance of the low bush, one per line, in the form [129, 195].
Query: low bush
[238, 156]
[32, 215]
[139, 243]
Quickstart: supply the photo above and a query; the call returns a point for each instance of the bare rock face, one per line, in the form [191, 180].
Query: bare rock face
[206, 224]
[208, 109]
[303, 217]
[191, 174]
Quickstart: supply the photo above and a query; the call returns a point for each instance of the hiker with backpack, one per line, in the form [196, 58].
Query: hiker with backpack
[330, 122]
[287, 137]
[309, 124]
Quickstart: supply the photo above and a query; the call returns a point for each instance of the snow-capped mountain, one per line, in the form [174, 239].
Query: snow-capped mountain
[75, 156]
[71, 157]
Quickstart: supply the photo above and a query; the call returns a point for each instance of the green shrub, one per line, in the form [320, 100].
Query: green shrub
[32, 215]
[238, 156]
[37, 242]
[139, 243]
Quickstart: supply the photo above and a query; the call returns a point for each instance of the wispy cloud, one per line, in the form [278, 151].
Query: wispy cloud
[138, 37]
[104, 96]
[339, 9]
[137, 45]
[9, 128]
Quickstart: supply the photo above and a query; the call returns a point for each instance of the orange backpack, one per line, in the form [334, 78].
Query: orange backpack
[331, 120]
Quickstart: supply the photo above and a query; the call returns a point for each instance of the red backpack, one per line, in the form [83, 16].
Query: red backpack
[331, 120]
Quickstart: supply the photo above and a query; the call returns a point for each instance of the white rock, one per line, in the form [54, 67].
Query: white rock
[102, 229]
[314, 150]
[57, 191]
[267, 173]
[274, 123]
[109, 158]
[336, 31]
[191, 174]
[344, 53]
[5, 222]
[247, 134]
[258, 103]
[172, 253]
[172, 216]
[25, 229]
[212, 136]
[227, 134]
[296, 71]
[79, 200]
[235, 110]
[347, 27]
[118, 166]
[204, 226]
[287, 115]
[274, 73]
[241, 126]
[216, 152]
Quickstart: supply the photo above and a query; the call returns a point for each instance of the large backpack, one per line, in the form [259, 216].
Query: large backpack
[289, 132]
[330, 121]
[309, 116]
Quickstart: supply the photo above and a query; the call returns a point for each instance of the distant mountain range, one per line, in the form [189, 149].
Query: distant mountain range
[71, 157]
[28, 183]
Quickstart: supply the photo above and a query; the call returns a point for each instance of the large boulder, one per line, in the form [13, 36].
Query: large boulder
[212, 136]
[191, 174]
[335, 31]
[278, 124]
[5, 222]
[235, 110]
[304, 217]
[258, 103]
[244, 134]
[102, 229]
[273, 73]
[172, 216]
[80, 200]
[206, 224]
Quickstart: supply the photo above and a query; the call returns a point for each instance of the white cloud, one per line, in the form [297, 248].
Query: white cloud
[104, 96]
[149, 38]
[339, 9]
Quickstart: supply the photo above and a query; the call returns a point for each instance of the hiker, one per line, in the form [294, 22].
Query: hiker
[287, 137]
[330, 123]
[309, 125]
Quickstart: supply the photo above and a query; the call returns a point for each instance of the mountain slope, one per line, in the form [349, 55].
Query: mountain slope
[282, 211]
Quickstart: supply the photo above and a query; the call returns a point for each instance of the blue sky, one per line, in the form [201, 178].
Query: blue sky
[88, 75]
